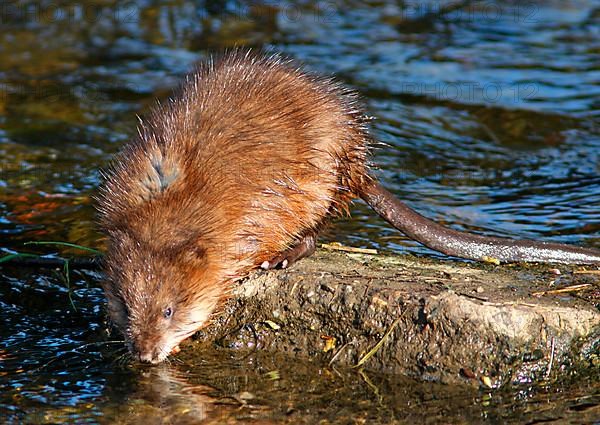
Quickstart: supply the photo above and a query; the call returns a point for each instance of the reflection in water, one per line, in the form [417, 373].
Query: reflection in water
[219, 386]
[164, 392]
[57, 367]
[489, 115]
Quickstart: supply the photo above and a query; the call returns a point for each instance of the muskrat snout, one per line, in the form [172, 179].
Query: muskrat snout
[148, 353]
[153, 356]
[149, 357]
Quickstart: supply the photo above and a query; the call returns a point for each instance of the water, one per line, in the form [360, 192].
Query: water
[54, 370]
[490, 117]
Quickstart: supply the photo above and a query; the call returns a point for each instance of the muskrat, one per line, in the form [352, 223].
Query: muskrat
[240, 170]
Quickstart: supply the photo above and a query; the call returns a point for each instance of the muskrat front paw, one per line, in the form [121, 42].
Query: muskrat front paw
[302, 249]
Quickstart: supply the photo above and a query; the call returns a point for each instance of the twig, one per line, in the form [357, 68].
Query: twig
[336, 355]
[572, 288]
[334, 247]
[379, 344]
[586, 272]
[475, 297]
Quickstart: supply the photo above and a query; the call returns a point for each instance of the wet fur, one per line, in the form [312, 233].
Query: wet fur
[249, 157]
[247, 161]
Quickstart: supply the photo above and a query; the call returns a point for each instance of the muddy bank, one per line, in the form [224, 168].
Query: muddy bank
[435, 320]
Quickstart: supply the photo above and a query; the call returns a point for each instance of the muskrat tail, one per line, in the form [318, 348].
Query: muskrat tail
[467, 245]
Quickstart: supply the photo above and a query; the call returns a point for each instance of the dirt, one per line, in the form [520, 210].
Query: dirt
[443, 321]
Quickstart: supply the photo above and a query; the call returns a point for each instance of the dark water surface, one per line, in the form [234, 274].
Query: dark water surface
[490, 116]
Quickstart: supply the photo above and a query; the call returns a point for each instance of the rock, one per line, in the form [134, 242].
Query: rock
[433, 321]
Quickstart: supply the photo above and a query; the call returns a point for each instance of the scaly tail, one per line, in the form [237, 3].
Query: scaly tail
[466, 245]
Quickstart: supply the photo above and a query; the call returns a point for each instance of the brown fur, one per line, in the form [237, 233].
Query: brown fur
[242, 168]
[251, 156]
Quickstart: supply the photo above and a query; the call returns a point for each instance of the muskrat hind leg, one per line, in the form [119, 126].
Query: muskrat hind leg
[302, 249]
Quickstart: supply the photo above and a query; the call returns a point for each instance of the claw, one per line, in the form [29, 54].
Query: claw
[286, 258]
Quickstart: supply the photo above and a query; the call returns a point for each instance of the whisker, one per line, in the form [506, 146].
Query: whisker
[99, 343]
[74, 350]
[123, 359]
[177, 360]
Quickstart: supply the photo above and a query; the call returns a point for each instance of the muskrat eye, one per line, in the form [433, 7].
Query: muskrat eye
[168, 312]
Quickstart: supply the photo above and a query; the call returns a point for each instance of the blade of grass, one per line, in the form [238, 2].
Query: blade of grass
[378, 345]
[68, 282]
[17, 255]
[67, 244]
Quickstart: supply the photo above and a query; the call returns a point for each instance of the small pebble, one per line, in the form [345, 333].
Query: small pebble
[479, 289]
[245, 395]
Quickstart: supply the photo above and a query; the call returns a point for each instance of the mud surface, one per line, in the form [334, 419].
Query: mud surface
[436, 320]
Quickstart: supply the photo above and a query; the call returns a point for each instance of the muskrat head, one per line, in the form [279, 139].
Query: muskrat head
[158, 297]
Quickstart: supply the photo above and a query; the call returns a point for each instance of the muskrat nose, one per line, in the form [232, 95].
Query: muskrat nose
[147, 357]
